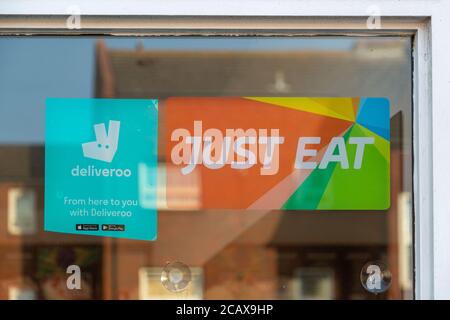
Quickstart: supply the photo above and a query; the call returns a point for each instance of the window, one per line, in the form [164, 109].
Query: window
[240, 254]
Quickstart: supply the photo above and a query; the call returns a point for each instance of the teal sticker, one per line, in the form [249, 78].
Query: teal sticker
[95, 150]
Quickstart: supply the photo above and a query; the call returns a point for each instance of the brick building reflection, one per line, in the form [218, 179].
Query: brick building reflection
[235, 254]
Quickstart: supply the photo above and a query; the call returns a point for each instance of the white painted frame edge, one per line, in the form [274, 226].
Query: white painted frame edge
[427, 20]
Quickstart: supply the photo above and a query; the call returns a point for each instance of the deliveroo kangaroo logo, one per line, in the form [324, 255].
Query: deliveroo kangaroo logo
[105, 146]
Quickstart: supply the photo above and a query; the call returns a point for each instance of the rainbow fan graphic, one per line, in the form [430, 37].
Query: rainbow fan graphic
[335, 188]
[364, 187]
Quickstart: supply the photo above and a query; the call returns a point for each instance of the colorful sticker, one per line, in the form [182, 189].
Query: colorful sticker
[278, 153]
[93, 151]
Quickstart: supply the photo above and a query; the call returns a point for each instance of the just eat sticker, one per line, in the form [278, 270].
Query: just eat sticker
[279, 152]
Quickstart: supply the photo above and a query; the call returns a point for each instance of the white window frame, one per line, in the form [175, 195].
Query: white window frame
[427, 20]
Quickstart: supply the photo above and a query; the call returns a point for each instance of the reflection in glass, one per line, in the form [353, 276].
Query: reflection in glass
[237, 254]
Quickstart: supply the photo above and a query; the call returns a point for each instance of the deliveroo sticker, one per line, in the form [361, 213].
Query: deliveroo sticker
[94, 150]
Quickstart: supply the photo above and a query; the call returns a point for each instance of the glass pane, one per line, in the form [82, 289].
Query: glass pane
[229, 254]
